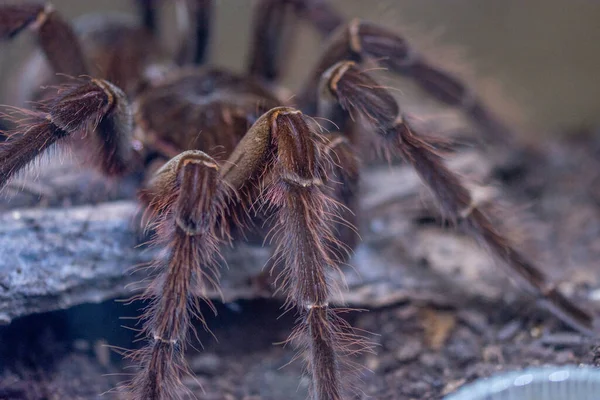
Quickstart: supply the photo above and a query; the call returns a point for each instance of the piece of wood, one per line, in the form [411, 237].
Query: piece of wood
[55, 258]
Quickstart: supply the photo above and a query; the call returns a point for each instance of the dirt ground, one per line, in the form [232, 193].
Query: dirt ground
[473, 342]
[427, 344]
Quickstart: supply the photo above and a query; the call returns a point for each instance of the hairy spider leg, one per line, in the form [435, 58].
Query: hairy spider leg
[293, 167]
[52, 33]
[192, 28]
[90, 105]
[274, 23]
[362, 41]
[187, 197]
[361, 96]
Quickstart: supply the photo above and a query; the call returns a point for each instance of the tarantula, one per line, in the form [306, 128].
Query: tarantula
[227, 157]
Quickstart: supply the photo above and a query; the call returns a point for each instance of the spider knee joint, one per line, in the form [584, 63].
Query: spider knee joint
[198, 176]
[296, 180]
[298, 157]
[160, 339]
[42, 17]
[480, 196]
[335, 74]
[354, 32]
[310, 306]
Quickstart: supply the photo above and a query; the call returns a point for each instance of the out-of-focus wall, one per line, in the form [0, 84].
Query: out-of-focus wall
[543, 54]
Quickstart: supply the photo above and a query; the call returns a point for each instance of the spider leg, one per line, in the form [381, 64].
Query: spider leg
[361, 41]
[187, 197]
[194, 18]
[147, 11]
[320, 13]
[53, 33]
[192, 27]
[362, 96]
[92, 105]
[284, 157]
[273, 24]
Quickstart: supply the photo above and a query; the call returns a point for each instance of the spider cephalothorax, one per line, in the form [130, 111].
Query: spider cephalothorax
[224, 155]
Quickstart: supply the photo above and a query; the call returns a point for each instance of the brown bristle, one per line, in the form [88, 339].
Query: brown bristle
[191, 198]
[33, 136]
[362, 96]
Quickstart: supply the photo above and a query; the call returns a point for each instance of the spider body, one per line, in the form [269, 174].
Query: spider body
[225, 155]
[213, 109]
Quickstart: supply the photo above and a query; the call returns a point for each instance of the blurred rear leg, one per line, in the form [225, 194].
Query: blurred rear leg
[52, 33]
[273, 27]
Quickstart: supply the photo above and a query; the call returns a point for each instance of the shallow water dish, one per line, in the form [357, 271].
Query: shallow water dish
[548, 383]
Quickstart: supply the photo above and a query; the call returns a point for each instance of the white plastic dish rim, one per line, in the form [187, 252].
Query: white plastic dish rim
[497, 384]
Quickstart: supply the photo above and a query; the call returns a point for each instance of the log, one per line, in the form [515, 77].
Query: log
[58, 257]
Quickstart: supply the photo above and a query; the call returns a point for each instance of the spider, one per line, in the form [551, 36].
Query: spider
[228, 157]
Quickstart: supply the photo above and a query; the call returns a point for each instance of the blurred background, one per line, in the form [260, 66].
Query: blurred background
[535, 61]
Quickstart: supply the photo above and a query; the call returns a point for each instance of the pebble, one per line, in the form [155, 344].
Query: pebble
[207, 364]
[509, 331]
[409, 351]
[562, 339]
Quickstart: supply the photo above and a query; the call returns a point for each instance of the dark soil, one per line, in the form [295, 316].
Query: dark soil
[64, 355]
